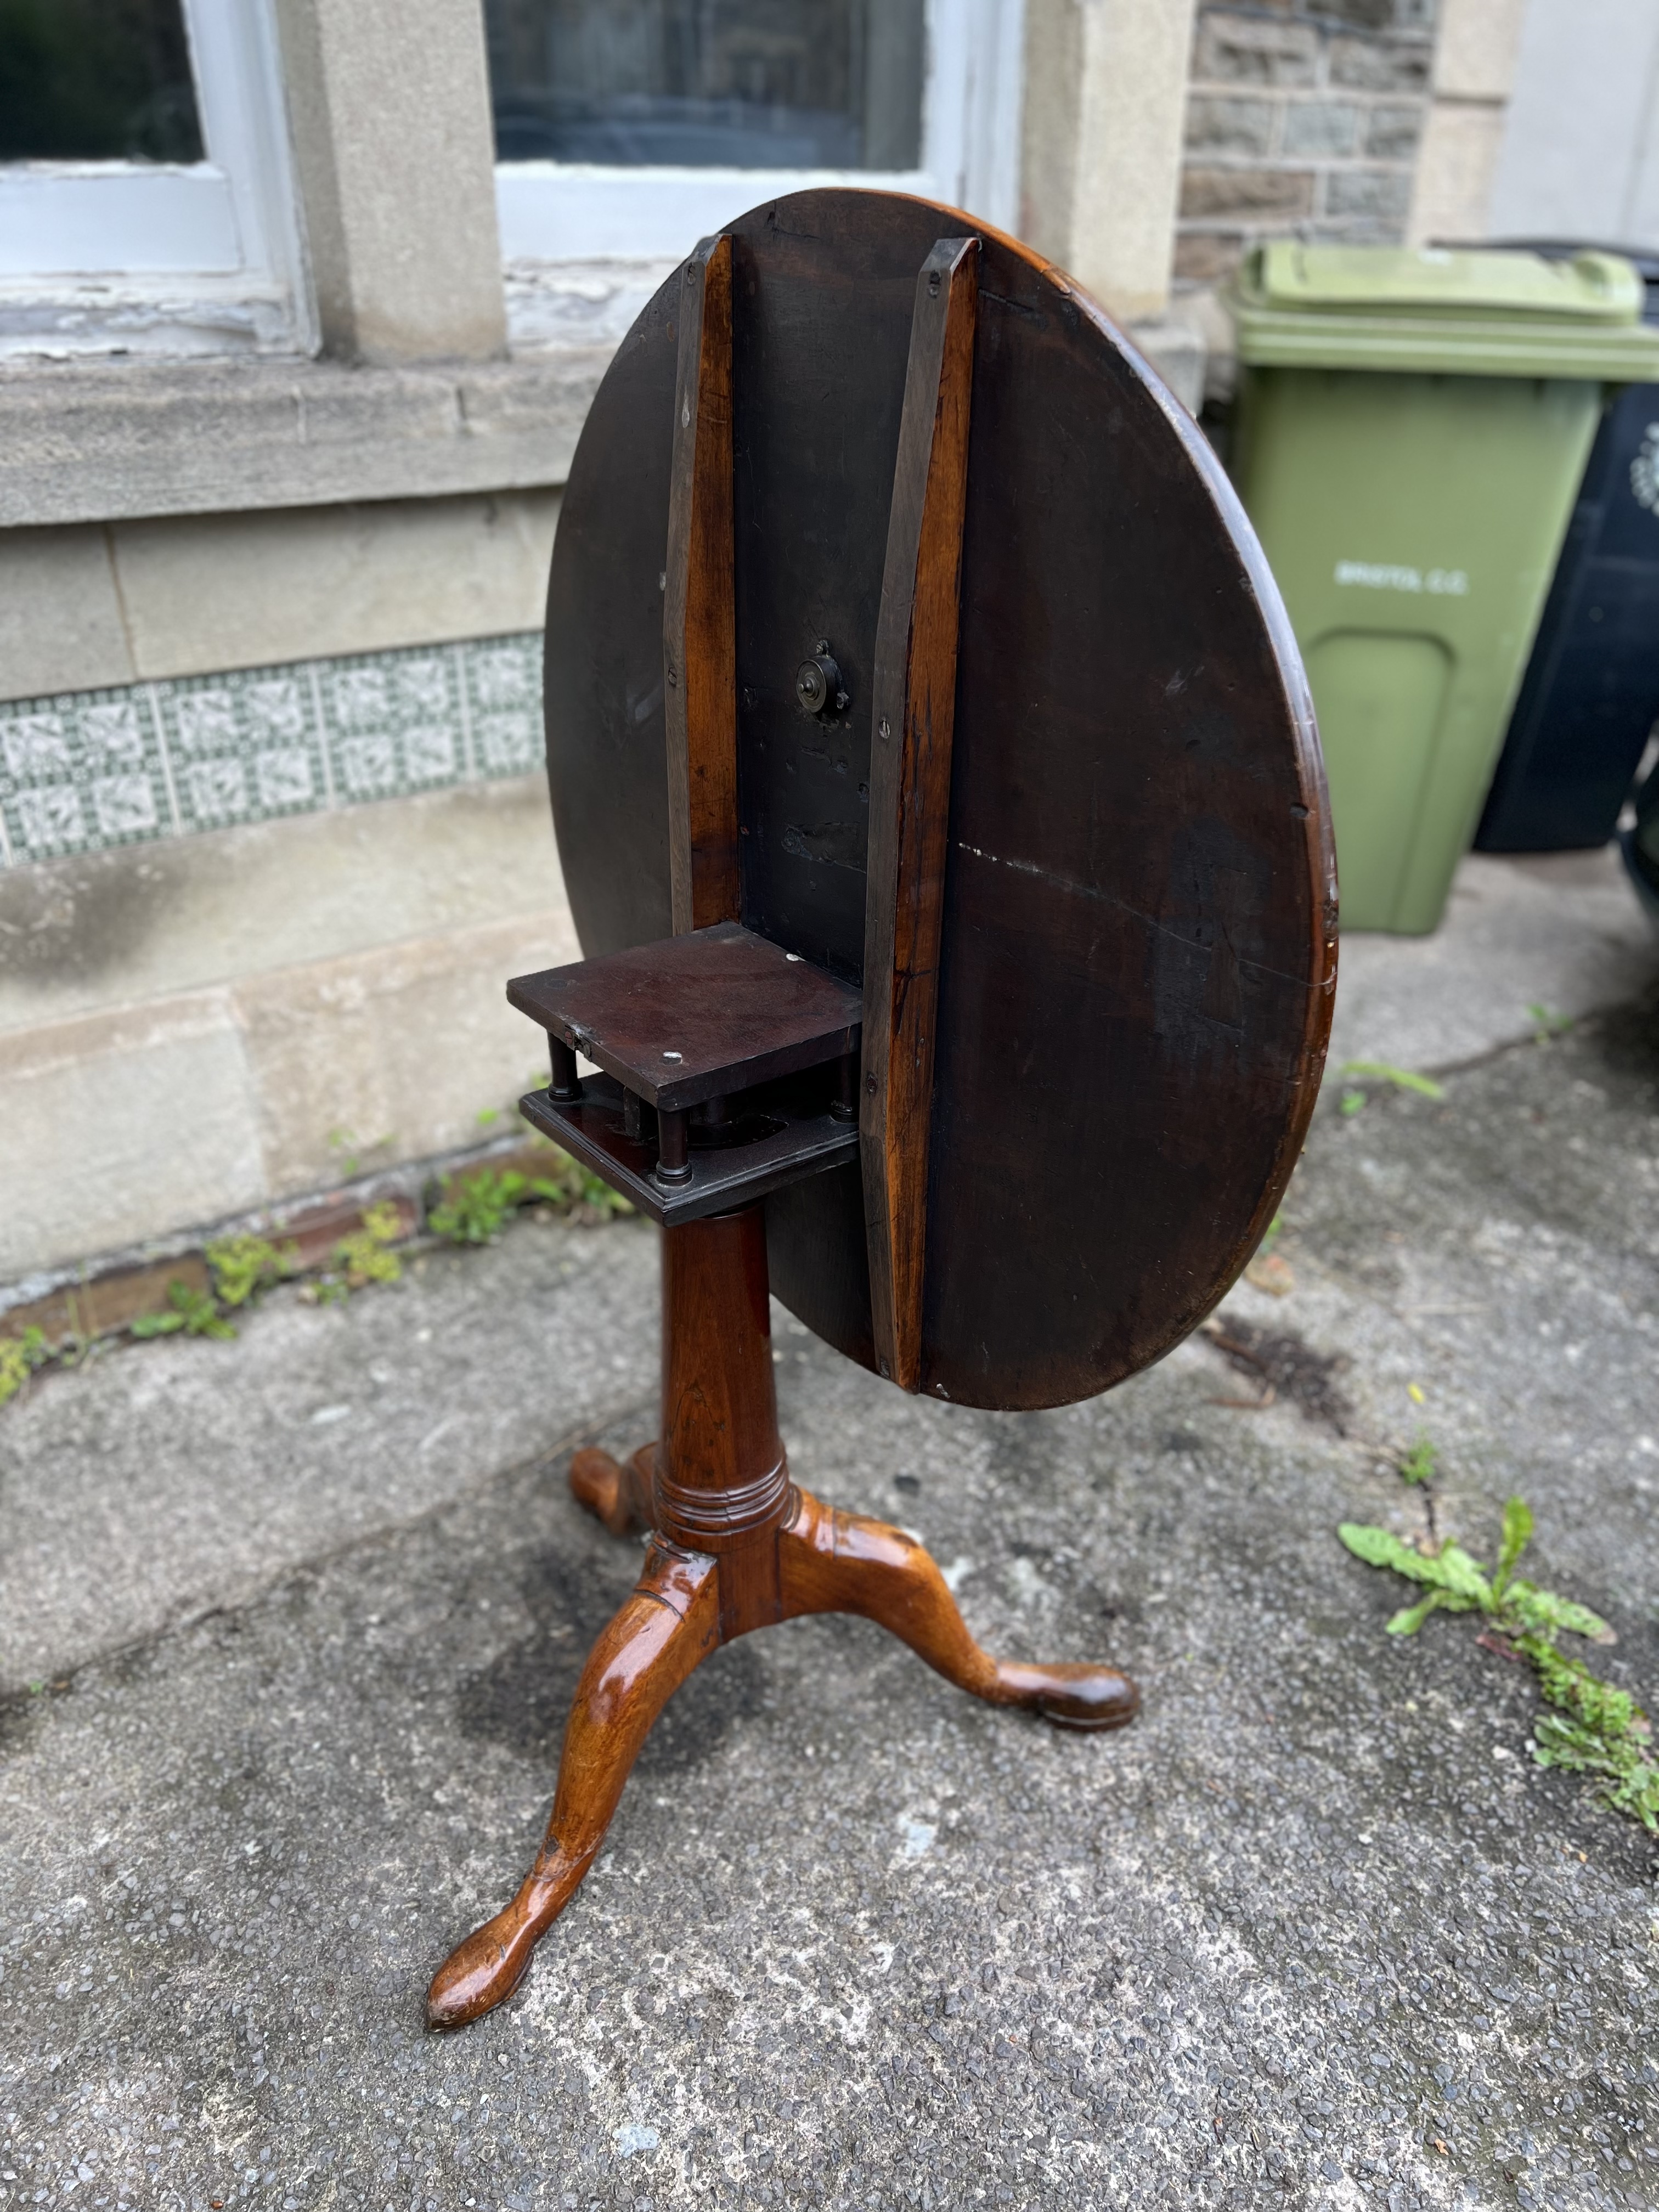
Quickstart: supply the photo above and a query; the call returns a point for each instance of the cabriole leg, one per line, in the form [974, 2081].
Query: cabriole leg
[616, 1491]
[834, 1562]
[665, 1630]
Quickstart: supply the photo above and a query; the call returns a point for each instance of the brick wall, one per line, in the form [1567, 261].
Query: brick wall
[1301, 119]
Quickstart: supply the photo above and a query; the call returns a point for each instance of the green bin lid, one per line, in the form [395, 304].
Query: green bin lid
[1435, 310]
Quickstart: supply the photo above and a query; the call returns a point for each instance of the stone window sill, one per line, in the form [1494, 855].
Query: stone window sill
[125, 439]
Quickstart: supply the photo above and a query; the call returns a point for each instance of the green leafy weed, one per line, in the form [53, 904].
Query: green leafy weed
[19, 1357]
[1380, 1071]
[473, 1208]
[1595, 1728]
[195, 1313]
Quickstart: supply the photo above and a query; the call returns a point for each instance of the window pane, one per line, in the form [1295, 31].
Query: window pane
[96, 80]
[751, 84]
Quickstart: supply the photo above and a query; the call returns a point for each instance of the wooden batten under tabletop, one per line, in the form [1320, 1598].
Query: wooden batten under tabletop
[699, 638]
[914, 711]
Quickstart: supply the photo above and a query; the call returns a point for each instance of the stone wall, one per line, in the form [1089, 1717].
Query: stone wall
[255, 925]
[1301, 118]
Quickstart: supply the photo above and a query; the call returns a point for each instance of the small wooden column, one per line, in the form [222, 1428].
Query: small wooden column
[913, 710]
[722, 1484]
[699, 638]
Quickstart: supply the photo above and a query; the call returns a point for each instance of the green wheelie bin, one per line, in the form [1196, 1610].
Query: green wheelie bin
[1412, 428]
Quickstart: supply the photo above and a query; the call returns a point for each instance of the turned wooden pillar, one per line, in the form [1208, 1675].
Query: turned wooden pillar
[722, 1483]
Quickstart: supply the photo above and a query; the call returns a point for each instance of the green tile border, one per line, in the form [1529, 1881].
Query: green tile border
[88, 770]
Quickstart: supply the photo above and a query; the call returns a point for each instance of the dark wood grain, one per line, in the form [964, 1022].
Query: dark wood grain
[602, 685]
[737, 1547]
[691, 1018]
[1138, 956]
[913, 707]
[699, 625]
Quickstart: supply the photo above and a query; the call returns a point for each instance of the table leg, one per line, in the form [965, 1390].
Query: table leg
[665, 1630]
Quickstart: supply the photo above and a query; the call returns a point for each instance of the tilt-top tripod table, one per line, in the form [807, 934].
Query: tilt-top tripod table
[940, 801]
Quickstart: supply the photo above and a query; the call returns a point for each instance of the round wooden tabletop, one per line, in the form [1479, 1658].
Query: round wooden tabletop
[1139, 953]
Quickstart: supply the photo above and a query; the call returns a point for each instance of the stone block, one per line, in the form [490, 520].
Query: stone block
[403, 1046]
[1254, 50]
[1381, 64]
[1452, 189]
[1105, 93]
[1320, 129]
[205, 593]
[1217, 124]
[1246, 195]
[389, 108]
[183, 1027]
[146, 922]
[1206, 257]
[1393, 131]
[1476, 51]
[60, 616]
[93, 444]
[1380, 195]
[124, 1124]
[1051, 115]
[1378, 15]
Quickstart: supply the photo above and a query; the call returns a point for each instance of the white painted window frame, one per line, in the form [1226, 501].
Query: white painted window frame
[565, 214]
[206, 257]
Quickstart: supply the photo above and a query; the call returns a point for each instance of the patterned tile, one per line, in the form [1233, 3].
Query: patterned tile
[95, 769]
[80, 771]
[243, 748]
[504, 703]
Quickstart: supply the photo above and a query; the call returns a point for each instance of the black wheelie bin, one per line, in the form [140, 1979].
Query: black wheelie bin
[1590, 694]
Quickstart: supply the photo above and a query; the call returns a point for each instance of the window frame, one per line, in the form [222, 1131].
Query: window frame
[566, 214]
[205, 256]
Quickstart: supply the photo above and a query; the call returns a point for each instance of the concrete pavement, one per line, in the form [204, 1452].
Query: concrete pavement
[304, 1611]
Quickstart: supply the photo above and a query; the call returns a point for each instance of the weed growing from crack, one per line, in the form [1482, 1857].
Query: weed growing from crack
[194, 1312]
[1381, 1070]
[1596, 1728]
[1545, 1026]
[1420, 1464]
[363, 1258]
[19, 1357]
[473, 1208]
[241, 1266]
[1420, 1467]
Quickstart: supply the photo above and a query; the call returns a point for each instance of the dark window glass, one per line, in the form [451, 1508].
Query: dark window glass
[96, 80]
[751, 84]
